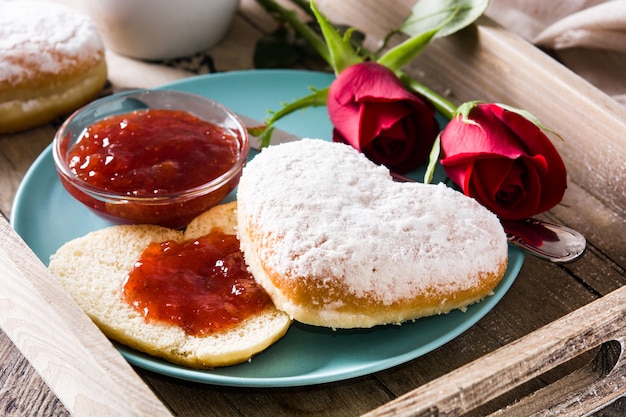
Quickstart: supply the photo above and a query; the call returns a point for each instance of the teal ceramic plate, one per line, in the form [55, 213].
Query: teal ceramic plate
[46, 217]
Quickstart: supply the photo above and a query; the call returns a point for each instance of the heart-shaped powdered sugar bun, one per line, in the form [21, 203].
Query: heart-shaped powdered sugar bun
[337, 243]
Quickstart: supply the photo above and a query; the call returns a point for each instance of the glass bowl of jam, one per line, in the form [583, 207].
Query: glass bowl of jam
[151, 156]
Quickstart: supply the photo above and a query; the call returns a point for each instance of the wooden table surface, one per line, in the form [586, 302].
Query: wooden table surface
[543, 293]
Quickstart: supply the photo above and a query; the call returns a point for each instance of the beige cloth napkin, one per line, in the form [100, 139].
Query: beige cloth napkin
[599, 27]
[588, 36]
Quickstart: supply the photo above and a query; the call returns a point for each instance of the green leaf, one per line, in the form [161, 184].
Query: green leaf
[407, 51]
[529, 116]
[433, 158]
[342, 54]
[431, 19]
[449, 16]
[465, 109]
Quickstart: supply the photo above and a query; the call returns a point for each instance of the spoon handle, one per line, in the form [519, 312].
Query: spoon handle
[553, 242]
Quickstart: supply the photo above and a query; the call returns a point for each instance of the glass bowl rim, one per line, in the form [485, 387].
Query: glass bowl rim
[167, 198]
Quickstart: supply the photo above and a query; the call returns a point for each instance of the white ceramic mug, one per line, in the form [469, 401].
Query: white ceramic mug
[161, 29]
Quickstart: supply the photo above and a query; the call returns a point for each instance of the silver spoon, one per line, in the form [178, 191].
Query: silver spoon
[549, 241]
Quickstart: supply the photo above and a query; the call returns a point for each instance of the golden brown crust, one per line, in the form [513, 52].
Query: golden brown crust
[221, 216]
[326, 301]
[273, 322]
[30, 107]
[366, 312]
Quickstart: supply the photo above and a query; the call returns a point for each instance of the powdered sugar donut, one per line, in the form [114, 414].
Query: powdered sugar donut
[337, 243]
[51, 62]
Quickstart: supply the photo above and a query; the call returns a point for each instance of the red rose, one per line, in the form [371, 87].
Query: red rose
[504, 161]
[371, 110]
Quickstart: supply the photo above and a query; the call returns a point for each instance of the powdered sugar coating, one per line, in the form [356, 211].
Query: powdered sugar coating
[326, 211]
[38, 37]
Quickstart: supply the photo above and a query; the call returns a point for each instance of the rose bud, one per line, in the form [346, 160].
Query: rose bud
[503, 159]
[371, 110]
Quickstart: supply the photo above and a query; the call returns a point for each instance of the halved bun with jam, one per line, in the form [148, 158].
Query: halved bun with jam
[337, 243]
[96, 270]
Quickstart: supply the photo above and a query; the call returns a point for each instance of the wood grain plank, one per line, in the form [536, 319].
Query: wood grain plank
[22, 391]
[604, 228]
[17, 152]
[587, 385]
[535, 299]
[346, 398]
[484, 379]
[62, 343]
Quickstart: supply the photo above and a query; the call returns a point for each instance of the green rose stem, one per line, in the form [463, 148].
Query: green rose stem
[316, 99]
[441, 104]
[305, 5]
[303, 29]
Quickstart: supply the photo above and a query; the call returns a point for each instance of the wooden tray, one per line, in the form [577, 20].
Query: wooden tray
[486, 62]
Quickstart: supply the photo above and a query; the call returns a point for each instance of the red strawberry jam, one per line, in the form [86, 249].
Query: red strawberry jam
[201, 285]
[155, 154]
